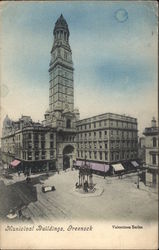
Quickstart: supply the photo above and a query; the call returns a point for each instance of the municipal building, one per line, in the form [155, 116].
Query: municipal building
[62, 140]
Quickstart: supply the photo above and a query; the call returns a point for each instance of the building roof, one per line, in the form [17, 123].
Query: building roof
[110, 116]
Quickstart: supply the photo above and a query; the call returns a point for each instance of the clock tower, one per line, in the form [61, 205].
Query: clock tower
[61, 94]
[61, 114]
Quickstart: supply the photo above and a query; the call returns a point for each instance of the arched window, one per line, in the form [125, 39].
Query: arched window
[154, 142]
[68, 123]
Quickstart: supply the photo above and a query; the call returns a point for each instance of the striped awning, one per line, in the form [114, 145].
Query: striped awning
[99, 166]
[15, 163]
[79, 163]
[118, 167]
[93, 165]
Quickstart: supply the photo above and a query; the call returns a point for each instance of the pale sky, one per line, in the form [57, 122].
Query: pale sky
[114, 49]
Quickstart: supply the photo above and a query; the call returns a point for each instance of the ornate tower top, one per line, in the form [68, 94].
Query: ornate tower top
[61, 25]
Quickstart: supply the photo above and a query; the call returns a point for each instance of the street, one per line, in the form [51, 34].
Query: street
[120, 199]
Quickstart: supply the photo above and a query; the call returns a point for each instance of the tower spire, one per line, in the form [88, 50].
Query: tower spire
[61, 69]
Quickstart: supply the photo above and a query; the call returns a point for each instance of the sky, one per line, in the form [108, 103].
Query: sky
[114, 49]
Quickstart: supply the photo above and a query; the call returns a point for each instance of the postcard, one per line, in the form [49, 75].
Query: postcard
[79, 125]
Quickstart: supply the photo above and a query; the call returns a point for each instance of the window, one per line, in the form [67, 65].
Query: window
[90, 155]
[43, 155]
[99, 124]
[100, 134]
[154, 142]
[117, 156]
[30, 145]
[42, 137]
[105, 132]
[36, 137]
[29, 136]
[94, 125]
[154, 159]
[51, 136]
[65, 55]
[51, 154]
[100, 155]
[51, 144]
[68, 123]
[94, 134]
[106, 156]
[36, 155]
[95, 155]
[29, 155]
[112, 156]
[106, 145]
[89, 125]
[36, 145]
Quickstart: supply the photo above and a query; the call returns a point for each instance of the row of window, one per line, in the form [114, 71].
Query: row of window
[61, 97]
[36, 136]
[92, 155]
[105, 123]
[104, 133]
[61, 34]
[104, 155]
[60, 71]
[36, 155]
[61, 88]
[113, 144]
[30, 145]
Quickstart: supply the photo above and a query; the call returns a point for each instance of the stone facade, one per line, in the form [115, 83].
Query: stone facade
[31, 143]
[152, 153]
[107, 138]
[151, 144]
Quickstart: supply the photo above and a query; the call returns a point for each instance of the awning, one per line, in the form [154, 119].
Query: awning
[135, 164]
[79, 163]
[118, 167]
[15, 163]
[94, 166]
[99, 167]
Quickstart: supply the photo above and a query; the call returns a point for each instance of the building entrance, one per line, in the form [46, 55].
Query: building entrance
[67, 157]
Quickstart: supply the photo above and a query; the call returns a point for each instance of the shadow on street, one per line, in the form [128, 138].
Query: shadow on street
[19, 194]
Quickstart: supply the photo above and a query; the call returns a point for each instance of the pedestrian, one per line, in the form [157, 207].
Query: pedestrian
[19, 173]
[20, 213]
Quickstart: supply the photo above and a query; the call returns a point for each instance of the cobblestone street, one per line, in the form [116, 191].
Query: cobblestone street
[120, 198]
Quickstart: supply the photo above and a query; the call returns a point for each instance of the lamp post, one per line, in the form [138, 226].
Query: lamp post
[138, 179]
